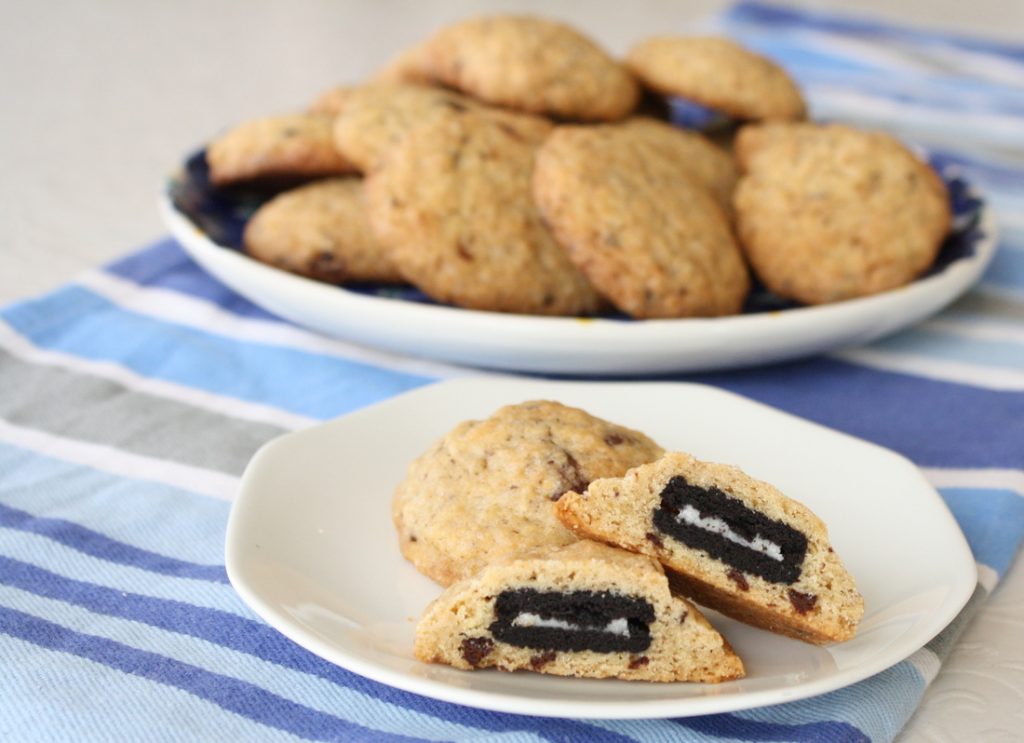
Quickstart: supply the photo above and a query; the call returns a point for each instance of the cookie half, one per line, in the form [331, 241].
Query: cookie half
[646, 234]
[728, 542]
[453, 206]
[288, 148]
[717, 73]
[531, 64]
[486, 490]
[320, 230]
[581, 610]
[827, 213]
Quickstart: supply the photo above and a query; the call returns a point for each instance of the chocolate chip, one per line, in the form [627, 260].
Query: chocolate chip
[637, 662]
[412, 538]
[475, 649]
[654, 538]
[462, 252]
[683, 616]
[613, 439]
[571, 476]
[537, 662]
[739, 579]
[802, 602]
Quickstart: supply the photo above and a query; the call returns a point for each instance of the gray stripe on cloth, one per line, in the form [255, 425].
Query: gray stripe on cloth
[943, 642]
[995, 308]
[99, 411]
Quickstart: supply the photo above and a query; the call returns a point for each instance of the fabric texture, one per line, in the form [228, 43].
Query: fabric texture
[131, 400]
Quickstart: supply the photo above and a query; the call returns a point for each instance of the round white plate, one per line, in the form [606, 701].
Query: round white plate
[311, 547]
[584, 347]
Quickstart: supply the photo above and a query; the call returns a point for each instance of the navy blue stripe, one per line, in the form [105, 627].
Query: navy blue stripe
[164, 264]
[731, 726]
[98, 545]
[762, 14]
[259, 640]
[247, 700]
[934, 423]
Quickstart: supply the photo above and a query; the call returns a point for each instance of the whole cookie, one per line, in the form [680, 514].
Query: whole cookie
[827, 213]
[332, 101]
[691, 152]
[531, 64]
[408, 66]
[289, 147]
[453, 207]
[647, 235]
[486, 491]
[717, 73]
[320, 230]
[377, 117]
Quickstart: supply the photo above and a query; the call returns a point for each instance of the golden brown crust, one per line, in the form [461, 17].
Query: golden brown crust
[531, 64]
[288, 147]
[827, 213]
[647, 235]
[717, 73]
[453, 206]
[320, 230]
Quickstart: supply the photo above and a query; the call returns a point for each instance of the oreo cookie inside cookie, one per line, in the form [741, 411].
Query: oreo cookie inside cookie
[601, 621]
[709, 520]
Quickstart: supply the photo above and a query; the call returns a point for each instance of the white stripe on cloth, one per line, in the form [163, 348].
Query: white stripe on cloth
[987, 577]
[180, 309]
[976, 327]
[117, 462]
[927, 664]
[930, 367]
[17, 345]
[988, 478]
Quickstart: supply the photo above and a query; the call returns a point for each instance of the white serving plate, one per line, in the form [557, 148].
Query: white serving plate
[311, 547]
[583, 346]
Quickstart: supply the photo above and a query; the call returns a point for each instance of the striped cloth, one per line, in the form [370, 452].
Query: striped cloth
[132, 399]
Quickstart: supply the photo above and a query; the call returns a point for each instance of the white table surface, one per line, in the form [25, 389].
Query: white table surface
[101, 99]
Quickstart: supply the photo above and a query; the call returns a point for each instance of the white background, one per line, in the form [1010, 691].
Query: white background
[101, 99]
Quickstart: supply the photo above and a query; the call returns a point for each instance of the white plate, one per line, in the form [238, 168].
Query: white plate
[586, 347]
[311, 547]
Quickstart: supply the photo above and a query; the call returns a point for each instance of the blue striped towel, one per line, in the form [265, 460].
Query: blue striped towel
[132, 399]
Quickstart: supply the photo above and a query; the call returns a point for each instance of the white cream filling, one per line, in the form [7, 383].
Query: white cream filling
[690, 515]
[618, 626]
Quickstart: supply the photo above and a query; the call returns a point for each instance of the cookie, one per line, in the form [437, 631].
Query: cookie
[728, 542]
[486, 490]
[377, 118]
[717, 73]
[828, 213]
[333, 101]
[454, 209]
[292, 147]
[582, 610]
[647, 236]
[319, 230]
[531, 64]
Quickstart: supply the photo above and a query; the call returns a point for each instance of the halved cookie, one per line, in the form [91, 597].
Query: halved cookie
[728, 541]
[582, 610]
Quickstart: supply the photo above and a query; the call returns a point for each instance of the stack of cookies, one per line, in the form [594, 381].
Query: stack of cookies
[509, 164]
[574, 546]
